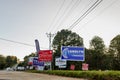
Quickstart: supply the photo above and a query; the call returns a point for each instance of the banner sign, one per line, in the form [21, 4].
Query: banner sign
[60, 63]
[72, 53]
[37, 46]
[45, 55]
[37, 63]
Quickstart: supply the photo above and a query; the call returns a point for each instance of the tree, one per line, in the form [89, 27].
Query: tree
[2, 62]
[66, 38]
[114, 50]
[98, 48]
[10, 61]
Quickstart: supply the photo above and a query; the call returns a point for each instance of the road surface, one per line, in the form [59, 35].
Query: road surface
[15, 75]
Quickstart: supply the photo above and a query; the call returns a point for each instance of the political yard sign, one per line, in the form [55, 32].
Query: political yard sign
[60, 63]
[73, 53]
[36, 62]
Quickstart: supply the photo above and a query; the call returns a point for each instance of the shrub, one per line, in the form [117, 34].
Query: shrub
[90, 75]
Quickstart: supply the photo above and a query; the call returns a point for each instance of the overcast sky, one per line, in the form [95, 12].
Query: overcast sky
[27, 20]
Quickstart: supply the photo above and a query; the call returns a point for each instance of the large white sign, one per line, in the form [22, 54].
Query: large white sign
[61, 63]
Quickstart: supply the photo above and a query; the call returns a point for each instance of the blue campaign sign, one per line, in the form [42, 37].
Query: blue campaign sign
[73, 53]
[36, 62]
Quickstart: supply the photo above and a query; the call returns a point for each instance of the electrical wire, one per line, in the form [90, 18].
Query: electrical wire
[62, 14]
[84, 8]
[20, 43]
[56, 15]
[85, 14]
[17, 42]
[68, 13]
[98, 14]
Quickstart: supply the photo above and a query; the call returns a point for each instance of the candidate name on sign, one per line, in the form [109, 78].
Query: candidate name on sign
[45, 55]
[60, 63]
[72, 53]
[37, 63]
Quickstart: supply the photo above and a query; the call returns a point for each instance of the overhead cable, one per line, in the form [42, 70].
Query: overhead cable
[56, 15]
[68, 13]
[17, 42]
[20, 43]
[64, 11]
[85, 14]
[103, 10]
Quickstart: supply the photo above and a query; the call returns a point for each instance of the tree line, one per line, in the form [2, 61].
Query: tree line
[97, 55]
[8, 61]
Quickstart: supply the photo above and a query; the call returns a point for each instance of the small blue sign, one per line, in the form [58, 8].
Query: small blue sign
[73, 53]
[36, 62]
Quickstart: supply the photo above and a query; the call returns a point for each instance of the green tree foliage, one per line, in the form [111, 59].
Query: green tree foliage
[97, 49]
[66, 38]
[2, 62]
[10, 61]
[114, 50]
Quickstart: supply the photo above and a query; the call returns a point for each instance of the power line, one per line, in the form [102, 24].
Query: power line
[99, 13]
[68, 13]
[64, 11]
[20, 43]
[17, 42]
[85, 14]
[56, 14]
[84, 8]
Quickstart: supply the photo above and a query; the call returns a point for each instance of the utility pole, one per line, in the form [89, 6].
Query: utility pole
[49, 35]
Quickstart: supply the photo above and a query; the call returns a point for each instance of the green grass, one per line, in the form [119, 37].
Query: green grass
[90, 75]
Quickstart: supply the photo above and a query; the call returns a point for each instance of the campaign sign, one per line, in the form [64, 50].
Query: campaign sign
[72, 53]
[60, 63]
[45, 55]
[37, 63]
[85, 66]
[30, 61]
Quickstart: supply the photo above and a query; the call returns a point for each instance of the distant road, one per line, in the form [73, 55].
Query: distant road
[14, 75]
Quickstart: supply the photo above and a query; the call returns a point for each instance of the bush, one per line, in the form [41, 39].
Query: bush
[90, 75]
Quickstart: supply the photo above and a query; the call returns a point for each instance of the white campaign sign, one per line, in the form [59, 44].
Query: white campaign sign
[61, 63]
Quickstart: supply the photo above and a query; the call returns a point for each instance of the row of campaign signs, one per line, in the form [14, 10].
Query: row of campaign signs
[44, 58]
[67, 53]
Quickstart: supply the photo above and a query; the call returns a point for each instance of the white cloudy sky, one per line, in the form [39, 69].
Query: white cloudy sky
[27, 20]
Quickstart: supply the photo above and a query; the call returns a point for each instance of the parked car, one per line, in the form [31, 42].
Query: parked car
[9, 69]
[20, 68]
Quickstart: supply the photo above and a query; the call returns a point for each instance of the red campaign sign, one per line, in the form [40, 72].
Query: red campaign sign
[72, 67]
[45, 55]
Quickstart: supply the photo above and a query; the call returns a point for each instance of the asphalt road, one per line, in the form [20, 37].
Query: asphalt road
[15, 75]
